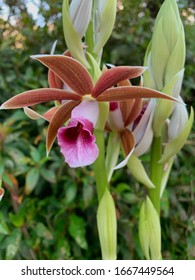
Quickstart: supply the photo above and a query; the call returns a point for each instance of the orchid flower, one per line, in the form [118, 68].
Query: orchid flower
[77, 78]
[76, 140]
[131, 122]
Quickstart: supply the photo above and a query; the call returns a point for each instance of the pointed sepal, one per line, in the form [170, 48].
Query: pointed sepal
[138, 171]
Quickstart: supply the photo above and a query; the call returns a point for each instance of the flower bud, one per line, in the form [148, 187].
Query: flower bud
[166, 56]
[71, 35]
[103, 21]
[165, 59]
[107, 227]
[150, 231]
[80, 14]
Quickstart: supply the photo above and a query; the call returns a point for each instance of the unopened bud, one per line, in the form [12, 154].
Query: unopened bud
[106, 221]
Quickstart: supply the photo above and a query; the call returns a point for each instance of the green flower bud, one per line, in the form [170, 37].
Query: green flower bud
[107, 226]
[103, 22]
[71, 35]
[165, 57]
[80, 14]
[150, 231]
[167, 45]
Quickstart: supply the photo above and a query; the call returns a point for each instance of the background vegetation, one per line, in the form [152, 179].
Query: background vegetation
[49, 210]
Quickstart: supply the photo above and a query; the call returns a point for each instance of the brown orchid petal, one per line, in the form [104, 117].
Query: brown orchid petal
[124, 83]
[60, 117]
[50, 113]
[54, 81]
[115, 75]
[126, 107]
[126, 93]
[136, 110]
[70, 71]
[36, 96]
[128, 141]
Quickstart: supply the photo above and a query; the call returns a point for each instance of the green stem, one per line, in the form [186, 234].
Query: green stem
[156, 172]
[99, 165]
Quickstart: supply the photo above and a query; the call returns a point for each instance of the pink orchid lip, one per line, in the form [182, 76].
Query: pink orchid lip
[77, 143]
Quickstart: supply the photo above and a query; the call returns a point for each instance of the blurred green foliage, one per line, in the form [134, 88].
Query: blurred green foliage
[49, 210]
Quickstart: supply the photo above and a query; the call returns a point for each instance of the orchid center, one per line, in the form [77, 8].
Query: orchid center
[88, 97]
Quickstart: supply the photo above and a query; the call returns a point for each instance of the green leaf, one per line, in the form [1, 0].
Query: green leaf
[71, 191]
[17, 220]
[35, 154]
[8, 181]
[88, 194]
[48, 175]
[42, 231]
[32, 178]
[3, 226]
[77, 231]
[13, 244]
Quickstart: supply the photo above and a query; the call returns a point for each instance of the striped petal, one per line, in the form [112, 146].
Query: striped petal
[58, 120]
[36, 96]
[69, 70]
[128, 141]
[115, 75]
[128, 144]
[133, 112]
[54, 81]
[126, 93]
